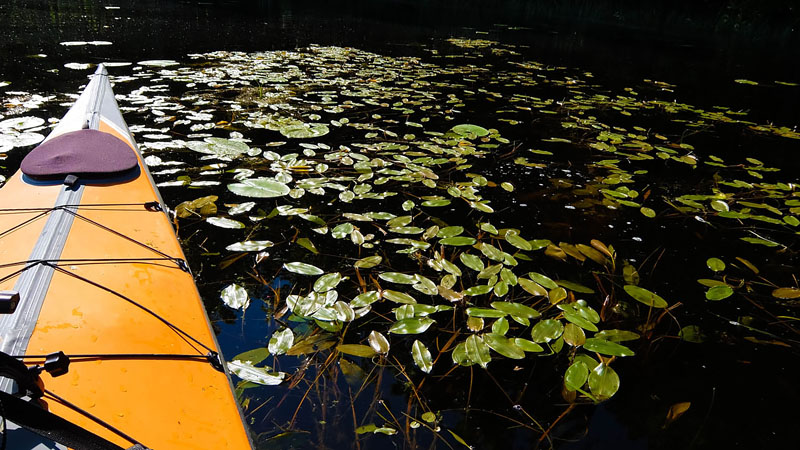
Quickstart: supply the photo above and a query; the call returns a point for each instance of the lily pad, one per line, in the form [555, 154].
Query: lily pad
[259, 187]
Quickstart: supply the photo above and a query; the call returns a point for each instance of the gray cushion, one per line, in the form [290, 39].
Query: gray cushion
[84, 153]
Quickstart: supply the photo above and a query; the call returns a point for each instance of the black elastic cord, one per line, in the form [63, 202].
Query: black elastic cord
[131, 301]
[96, 356]
[51, 426]
[91, 417]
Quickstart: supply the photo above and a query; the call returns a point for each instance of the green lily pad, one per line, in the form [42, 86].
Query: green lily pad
[645, 296]
[259, 187]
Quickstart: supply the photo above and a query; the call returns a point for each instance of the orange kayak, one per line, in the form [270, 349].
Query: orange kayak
[90, 267]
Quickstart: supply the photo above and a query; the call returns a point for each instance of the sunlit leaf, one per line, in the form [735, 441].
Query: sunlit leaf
[547, 330]
[327, 282]
[303, 268]
[422, 356]
[603, 382]
[503, 346]
[235, 296]
[224, 222]
[378, 342]
[398, 297]
[249, 246]
[477, 350]
[458, 241]
[259, 375]
[281, 341]
[259, 187]
[786, 293]
[397, 277]
[368, 262]
[414, 325]
[543, 280]
[516, 309]
[576, 376]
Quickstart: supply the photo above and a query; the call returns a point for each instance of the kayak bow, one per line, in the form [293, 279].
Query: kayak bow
[87, 248]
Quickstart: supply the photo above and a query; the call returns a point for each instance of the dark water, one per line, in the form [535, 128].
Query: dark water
[737, 394]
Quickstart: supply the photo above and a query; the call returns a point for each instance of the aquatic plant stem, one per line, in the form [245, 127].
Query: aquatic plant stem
[546, 434]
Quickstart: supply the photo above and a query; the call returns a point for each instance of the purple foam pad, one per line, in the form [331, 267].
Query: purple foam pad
[84, 153]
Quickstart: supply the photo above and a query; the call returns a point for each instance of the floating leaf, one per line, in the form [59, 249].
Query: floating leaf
[607, 347]
[503, 346]
[485, 313]
[719, 292]
[760, 241]
[458, 241]
[304, 130]
[281, 341]
[378, 342]
[675, 411]
[786, 293]
[259, 375]
[253, 356]
[645, 296]
[224, 222]
[516, 309]
[715, 264]
[363, 351]
[603, 382]
[547, 330]
[472, 261]
[543, 280]
[259, 187]
[576, 376]
[532, 288]
[468, 129]
[515, 240]
[365, 299]
[413, 325]
[574, 335]
[368, 262]
[478, 290]
[327, 282]
[448, 232]
[249, 246]
[235, 296]
[303, 268]
[528, 346]
[691, 333]
[572, 286]
[398, 297]
[647, 212]
[397, 277]
[307, 244]
[422, 356]
[617, 335]
[477, 350]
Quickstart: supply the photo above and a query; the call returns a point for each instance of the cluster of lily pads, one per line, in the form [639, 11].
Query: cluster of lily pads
[388, 195]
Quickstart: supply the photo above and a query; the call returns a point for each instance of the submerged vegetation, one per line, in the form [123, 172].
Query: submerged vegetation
[428, 243]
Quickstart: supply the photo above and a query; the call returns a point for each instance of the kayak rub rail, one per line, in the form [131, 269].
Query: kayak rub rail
[97, 288]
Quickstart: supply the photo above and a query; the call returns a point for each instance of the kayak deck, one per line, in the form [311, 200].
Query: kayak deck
[120, 287]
